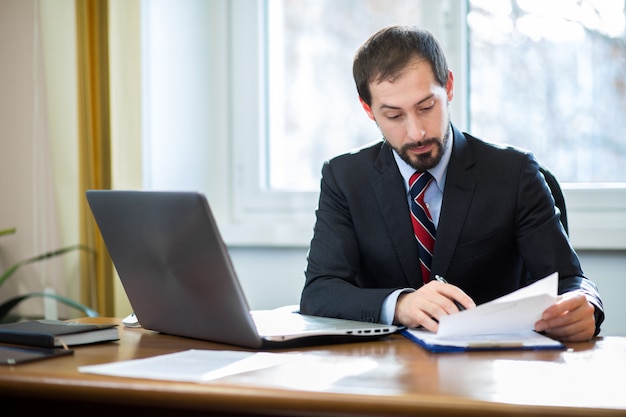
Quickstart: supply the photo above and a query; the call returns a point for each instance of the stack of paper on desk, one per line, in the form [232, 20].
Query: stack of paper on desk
[504, 323]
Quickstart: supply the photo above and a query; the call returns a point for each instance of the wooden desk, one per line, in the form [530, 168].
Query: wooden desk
[388, 377]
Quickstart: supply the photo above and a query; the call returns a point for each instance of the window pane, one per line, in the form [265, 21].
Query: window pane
[313, 106]
[550, 76]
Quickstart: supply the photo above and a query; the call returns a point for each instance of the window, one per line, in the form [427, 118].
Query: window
[545, 76]
[305, 102]
[313, 111]
[277, 99]
[550, 76]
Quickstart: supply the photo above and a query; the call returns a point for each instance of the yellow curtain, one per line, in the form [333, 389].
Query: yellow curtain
[94, 146]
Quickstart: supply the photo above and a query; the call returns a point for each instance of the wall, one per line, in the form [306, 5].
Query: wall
[607, 270]
[31, 131]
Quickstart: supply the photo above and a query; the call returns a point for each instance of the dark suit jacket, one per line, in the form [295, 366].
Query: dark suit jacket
[498, 231]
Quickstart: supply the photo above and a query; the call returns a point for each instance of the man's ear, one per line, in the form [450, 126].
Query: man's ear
[367, 109]
[450, 86]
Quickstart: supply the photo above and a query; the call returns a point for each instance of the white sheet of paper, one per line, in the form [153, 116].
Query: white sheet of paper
[514, 312]
[191, 365]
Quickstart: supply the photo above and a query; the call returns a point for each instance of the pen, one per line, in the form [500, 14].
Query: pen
[443, 281]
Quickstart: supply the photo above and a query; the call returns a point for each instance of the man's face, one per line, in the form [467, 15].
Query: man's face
[413, 115]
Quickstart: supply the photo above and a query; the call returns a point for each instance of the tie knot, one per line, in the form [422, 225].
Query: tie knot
[419, 181]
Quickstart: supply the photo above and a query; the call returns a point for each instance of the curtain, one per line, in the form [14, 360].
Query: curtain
[94, 146]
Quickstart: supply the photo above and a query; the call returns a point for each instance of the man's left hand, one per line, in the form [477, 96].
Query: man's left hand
[570, 319]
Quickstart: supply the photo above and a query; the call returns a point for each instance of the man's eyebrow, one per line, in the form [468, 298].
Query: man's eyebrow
[387, 106]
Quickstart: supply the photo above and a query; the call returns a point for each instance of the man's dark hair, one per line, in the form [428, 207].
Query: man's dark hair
[387, 52]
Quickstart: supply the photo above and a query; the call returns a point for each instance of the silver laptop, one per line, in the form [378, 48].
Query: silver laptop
[179, 279]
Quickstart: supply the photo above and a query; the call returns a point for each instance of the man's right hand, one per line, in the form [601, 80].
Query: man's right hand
[424, 307]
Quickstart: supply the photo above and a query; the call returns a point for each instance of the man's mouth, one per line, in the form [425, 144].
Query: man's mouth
[421, 148]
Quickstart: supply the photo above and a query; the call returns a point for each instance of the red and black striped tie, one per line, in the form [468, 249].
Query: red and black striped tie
[423, 225]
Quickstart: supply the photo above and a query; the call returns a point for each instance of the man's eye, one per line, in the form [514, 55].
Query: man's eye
[393, 116]
[428, 107]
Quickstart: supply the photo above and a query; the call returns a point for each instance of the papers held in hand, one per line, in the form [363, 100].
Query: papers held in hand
[56, 333]
[505, 323]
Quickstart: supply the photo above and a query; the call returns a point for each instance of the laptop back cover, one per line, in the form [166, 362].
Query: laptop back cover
[173, 264]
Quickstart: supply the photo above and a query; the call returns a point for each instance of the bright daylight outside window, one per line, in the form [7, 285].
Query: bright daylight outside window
[549, 76]
[314, 111]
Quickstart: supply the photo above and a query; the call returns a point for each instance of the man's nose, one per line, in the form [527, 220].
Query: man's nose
[415, 128]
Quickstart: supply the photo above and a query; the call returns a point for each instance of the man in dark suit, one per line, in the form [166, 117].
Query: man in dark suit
[497, 227]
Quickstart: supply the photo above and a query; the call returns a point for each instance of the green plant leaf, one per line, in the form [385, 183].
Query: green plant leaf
[51, 254]
[9, 304]
[8, 231]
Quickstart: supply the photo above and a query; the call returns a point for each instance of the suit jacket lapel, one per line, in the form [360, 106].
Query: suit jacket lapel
[391, 198]
[457, 195]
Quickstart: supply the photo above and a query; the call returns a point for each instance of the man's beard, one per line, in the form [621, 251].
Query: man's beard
[429, 160]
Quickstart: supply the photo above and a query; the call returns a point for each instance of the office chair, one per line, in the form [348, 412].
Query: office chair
[557, 194]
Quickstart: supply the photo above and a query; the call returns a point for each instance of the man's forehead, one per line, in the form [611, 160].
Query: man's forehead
[413, 86]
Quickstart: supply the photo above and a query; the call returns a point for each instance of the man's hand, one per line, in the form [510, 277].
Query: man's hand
[427, 304]
[570, 319]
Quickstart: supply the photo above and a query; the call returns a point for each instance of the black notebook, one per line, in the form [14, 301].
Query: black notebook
[56, 333]
[14, 355]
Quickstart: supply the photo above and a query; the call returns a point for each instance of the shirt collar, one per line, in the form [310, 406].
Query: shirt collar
[438, 172]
